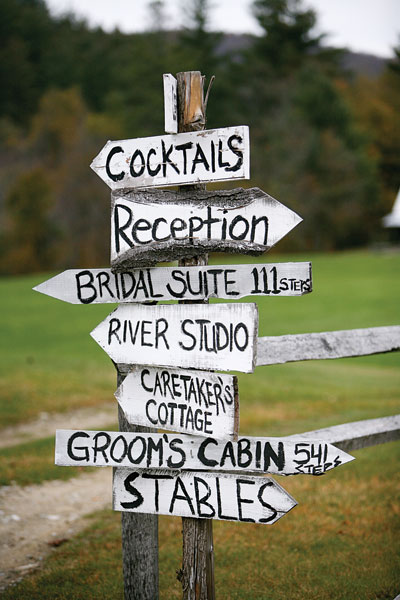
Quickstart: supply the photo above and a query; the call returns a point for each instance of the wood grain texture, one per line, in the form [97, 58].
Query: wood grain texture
[171, 451]
[201, 495]
[177, 159]
[152, 226]
[200, 336]
[356, 435]
[191, 110]
[197, 572]
[329, 344]
[102, 286]
[194, 402]
[197, 577]
[139, 538]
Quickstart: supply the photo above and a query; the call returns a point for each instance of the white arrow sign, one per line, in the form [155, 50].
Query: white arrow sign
[101, 286]
[200, 156]
[195, 402]
[278, 456]
[153, 226]
[201, 495]
[204, 336]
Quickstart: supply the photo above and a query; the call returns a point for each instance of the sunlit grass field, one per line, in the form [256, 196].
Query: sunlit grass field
[343, 539]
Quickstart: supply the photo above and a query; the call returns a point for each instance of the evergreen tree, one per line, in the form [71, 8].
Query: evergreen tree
[287, 33]
[198, 43]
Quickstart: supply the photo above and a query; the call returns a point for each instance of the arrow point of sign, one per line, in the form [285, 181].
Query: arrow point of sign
[340, 457]
[293, 219]
[52, 287]
[332, 456]
[96, 332]
[120, 399]
[97, 164]
[94, 164]
[287, 499]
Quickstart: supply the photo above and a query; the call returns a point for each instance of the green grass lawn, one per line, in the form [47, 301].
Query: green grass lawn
[341, 542]
[49, 362]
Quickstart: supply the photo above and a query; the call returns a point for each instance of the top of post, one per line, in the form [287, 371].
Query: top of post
[191, 108]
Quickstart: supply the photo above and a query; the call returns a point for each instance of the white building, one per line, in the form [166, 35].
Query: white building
[393, 218]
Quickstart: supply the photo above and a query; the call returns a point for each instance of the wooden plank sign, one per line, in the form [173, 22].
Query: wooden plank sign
[170, 104]
[221, 337]
[279, 456]
[101, 286]
[199, 156]
[201, 495]
[151, 226]
[195, 402]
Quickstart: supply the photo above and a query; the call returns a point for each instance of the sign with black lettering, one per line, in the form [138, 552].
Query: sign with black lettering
[151, 226]
[277, 456]
[201, 495]
[101, 286]
[195, 402]
[221, 337]
[198, 156]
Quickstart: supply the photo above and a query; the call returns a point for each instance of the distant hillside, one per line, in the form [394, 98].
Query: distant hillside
[359, 63]
[368, 65]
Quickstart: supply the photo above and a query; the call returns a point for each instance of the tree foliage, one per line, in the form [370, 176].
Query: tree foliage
[323, 142]
[28, 244]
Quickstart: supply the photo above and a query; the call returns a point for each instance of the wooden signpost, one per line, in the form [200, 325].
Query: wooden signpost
[93, 286]
[198, 403]
[170, 473]
[201, 495]
[189, 452]
[153, 226]
[218, 336]
[213, 155]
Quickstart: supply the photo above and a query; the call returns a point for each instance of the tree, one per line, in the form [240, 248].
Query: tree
[30, 242]
[157, 16]
[375, 105]
[198, 43]
[24, 32]
[287, 37]
[394, 63]
[57, 125]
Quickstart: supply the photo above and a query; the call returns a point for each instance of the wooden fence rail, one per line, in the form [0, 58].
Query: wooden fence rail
[273, 350]
[356, 435]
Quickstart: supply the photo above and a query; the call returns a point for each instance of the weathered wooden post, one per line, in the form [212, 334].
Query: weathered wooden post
[197, 573]
[139, 536]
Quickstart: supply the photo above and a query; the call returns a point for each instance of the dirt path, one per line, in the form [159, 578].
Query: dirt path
[33, 517]
[46, 424]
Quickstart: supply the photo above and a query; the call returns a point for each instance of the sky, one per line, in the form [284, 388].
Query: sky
[371, 26]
